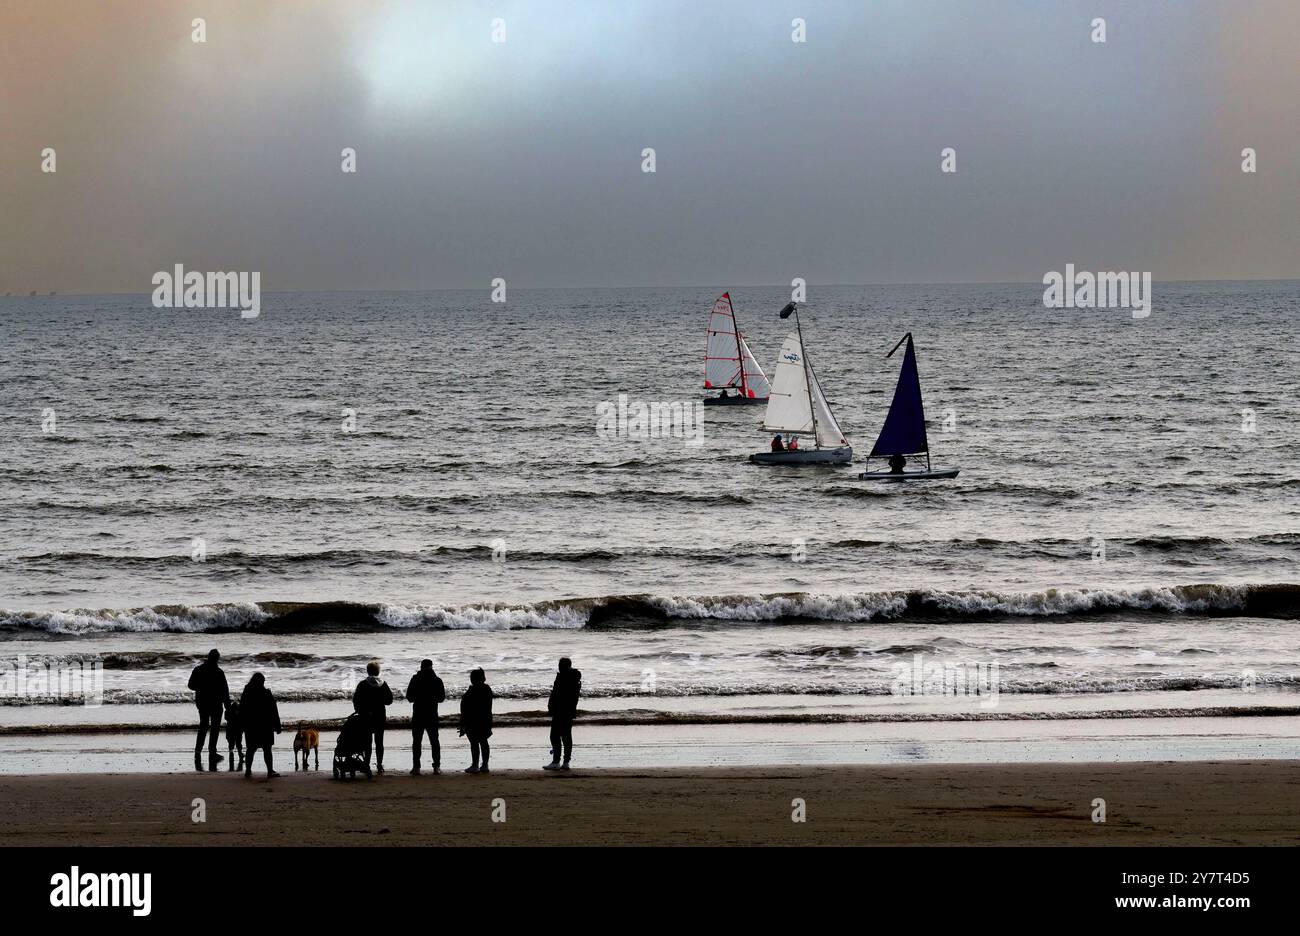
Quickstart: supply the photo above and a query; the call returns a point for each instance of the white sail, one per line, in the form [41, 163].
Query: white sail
[756, 384]
[789, 406]
[792, 402]
[722, 364]
[829, 434]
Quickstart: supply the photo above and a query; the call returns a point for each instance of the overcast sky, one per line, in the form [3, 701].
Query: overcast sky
[523, 159]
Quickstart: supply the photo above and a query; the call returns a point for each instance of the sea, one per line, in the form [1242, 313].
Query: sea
[402, 475]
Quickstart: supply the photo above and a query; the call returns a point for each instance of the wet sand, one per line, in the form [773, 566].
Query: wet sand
[1187, 803]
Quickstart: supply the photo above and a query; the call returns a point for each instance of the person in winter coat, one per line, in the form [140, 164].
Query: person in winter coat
[261, 719]
[370, 699]
[424, 693]
[211, 695]
[476, 720]
[563, 706]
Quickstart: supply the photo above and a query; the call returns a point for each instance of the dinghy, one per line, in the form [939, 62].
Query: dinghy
[797, 407]
[728, 363]
[903, 434]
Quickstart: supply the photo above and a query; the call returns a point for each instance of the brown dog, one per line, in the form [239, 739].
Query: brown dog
[307, 739]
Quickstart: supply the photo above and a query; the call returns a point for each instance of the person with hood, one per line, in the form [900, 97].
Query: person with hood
[370, 699]
[212, 696]
[424, 693]
[476, 720]
[563, 706]
[261, 722]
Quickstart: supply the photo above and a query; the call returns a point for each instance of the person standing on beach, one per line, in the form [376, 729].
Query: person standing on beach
[212, 696]
[563, 706]
[424, 693]
[476, 720]
[261, 722]
[371, 698]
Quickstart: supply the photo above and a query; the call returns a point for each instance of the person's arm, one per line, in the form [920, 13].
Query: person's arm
[275, 711]
[356, 697]
[411, 691]
[194, 678]
[225, 691]
[439, 693]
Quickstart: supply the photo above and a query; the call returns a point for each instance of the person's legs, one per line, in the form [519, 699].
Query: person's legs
[555, 741]
[248, 761]
[486, 751]
[473, 753]
[379, 746]
[435, 749]
[566, 736]
[214, 729]
[203, 733]
[417, 736]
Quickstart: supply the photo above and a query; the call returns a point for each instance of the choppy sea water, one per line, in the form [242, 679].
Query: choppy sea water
[420, 474]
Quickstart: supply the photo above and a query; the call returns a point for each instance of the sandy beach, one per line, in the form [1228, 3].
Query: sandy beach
[1150, 804]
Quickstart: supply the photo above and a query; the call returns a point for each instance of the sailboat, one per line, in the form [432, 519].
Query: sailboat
[728, 362]
[797, 406]
[903, 433]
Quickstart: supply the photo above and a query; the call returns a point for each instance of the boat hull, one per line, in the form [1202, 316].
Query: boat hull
[734, 401]
[836, 456]
[934, 475]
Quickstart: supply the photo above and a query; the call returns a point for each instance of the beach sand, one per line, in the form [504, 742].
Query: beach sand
[1187, 803]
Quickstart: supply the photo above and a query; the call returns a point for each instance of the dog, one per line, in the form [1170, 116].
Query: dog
[234, 735]
[307, 739]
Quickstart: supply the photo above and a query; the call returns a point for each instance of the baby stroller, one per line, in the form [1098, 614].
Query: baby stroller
[350, 749]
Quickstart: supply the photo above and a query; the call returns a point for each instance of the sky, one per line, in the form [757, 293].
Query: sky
[522, 159]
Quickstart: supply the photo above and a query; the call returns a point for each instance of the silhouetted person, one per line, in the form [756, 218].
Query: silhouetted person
[896, 463]
[777, 444]
[261, 722]
[563, 706]
[476, 720]
[424, 693]
[370, 699]
[234, 734]
[211, 695]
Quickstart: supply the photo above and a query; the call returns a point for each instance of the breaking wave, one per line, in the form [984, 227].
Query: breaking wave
[1279, 601]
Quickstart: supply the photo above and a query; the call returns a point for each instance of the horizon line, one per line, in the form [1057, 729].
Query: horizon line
[46, 294]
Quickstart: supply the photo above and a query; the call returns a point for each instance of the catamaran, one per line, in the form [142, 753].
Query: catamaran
[797, 406]
[903, 434]
[728, 362]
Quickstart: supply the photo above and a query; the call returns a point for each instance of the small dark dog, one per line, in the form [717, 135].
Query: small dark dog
[234, 735]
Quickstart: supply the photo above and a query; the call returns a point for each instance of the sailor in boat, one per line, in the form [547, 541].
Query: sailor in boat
[777, 444]
[794, 444]
[896, 464]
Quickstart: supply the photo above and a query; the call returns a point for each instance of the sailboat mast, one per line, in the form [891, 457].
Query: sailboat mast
[740, 355]
[803, 352]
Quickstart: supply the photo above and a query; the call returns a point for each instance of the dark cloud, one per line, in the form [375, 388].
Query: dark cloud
[522, 159]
